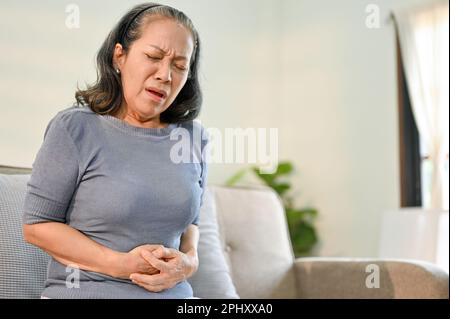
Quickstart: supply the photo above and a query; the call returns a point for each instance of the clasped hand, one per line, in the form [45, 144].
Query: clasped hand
[156, 268]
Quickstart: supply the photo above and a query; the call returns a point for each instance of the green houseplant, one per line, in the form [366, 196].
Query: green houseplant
[300, 221]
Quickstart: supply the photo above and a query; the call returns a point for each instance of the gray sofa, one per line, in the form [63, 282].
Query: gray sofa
[244, 251]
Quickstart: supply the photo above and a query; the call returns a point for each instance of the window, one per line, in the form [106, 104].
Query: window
[426, 172]
[423, 78]
[410, 158]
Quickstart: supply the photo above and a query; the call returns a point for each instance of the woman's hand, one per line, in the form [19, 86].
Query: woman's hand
[133, 262]
[173, 265]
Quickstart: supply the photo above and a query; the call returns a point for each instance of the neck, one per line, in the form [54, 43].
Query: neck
[133, 118]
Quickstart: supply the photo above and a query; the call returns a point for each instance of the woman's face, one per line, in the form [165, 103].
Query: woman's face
[158, 60]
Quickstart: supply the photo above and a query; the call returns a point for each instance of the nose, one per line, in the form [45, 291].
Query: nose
[164, 73]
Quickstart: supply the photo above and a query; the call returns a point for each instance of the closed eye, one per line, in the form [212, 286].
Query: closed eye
[152, 57]
[181, 68]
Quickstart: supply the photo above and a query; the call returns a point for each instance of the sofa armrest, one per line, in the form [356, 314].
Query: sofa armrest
[350, 278]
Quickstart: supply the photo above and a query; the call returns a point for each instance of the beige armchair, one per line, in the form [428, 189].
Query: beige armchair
[254, 234]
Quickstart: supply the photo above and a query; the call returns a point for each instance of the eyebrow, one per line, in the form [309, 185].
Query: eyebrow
[180, 57]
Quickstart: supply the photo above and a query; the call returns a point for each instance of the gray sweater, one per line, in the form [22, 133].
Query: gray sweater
[118, 185]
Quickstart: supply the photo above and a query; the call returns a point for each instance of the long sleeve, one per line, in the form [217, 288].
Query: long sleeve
[204, 169]
[54, 176]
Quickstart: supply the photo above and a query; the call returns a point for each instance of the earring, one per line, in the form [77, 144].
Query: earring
[118, 71]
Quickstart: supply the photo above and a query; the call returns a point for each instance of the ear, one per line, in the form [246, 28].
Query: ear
[118, 56]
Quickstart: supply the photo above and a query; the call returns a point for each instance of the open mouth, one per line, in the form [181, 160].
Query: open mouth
[156, 93]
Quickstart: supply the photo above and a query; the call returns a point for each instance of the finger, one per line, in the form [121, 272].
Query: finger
[152, 280]
[163, 252]
[149, 258]
[158, 253]
[152, 248]
[149, 270]
[171, 253]
[155, 262]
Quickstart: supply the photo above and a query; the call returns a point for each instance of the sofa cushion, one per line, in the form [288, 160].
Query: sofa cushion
[254, 232]
[213, 279]
[22, 266]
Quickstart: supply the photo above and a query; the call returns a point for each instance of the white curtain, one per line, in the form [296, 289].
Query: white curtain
[424, 42]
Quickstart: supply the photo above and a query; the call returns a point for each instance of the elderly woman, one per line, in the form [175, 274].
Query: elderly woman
[108, 195]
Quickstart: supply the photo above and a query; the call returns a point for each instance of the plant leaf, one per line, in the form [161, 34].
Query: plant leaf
[266, 178]
[236, 177]
[303, 238]
[284, 168]
[302, 232]
[307, 213]
[281, 188]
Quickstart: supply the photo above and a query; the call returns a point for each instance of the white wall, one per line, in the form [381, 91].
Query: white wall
[311, 68]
